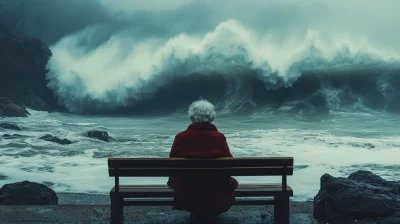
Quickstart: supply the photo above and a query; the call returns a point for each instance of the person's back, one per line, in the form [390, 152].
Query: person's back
[209, 196]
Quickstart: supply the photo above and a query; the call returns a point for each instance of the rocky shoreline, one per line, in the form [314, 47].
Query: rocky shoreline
[362, 197]
[96, 214]
[23, 83]
[94, 134]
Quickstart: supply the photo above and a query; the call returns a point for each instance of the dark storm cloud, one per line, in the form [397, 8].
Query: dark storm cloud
[374, 20]
[59, 17]
[156, 17]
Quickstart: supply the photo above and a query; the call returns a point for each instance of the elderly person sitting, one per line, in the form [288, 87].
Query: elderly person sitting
[208, 196]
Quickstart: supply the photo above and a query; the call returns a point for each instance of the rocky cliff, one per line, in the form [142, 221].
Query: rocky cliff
[23, 84]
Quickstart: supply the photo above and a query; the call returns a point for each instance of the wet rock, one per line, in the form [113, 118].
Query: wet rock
[27, 193]
[10, 126]
[55, 139]
[14, 110]
[4, 100]
[361, 196]
[12, 136]
[101, 135]
[3, 177]
[23, 61]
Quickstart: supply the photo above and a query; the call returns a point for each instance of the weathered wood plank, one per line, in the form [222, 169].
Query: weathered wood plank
[203, 162]
[243, 190]
[168, 202]
[195, 172]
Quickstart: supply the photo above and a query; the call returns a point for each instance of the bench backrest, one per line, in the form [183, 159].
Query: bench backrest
[161, 167]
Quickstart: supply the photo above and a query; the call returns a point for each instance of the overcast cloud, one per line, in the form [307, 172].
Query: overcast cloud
[377, 21]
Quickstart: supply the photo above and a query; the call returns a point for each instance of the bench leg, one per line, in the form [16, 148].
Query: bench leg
[281, 209]
[117, 210]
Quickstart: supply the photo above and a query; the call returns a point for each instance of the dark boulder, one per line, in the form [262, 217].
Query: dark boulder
[100, 135]
[361, 196]
[6, 125]
[14, 110]
[27, 193]
[23, 61]
[12, 136]
[55, 139]
[28, 99]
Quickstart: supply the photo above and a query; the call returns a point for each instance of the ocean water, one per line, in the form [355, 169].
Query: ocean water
[339, 144]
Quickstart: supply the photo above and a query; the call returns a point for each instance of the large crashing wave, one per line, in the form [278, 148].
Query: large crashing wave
[231, 66]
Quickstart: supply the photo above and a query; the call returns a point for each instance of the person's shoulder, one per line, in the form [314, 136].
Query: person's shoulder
[218, 134]
[181, 134]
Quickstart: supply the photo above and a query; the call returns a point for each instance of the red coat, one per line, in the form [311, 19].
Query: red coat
[210, 196]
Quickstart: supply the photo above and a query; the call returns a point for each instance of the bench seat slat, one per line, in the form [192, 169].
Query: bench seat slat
[178, 171]
[243, 190]
[181, 162]
[169, 201]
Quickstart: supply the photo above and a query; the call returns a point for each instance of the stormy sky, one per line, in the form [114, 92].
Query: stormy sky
[374, 20]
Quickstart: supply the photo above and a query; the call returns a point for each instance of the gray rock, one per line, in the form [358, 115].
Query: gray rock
[6, 125]
[23, 61]
[373, 179]
[27, 193]
[4, 100]
[12, 136]
[101, 135]
[14, 110]
[55, 139]
[361, 196]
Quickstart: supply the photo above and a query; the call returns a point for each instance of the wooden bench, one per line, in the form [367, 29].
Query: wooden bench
[246, 194]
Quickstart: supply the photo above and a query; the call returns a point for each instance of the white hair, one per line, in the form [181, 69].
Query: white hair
[202, 111]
